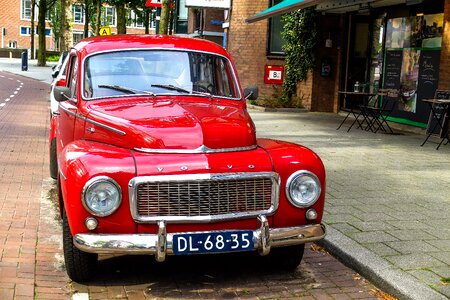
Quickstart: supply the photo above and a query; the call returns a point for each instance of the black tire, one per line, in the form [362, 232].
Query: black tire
[80, 266]
[286, 258]
[53, 160]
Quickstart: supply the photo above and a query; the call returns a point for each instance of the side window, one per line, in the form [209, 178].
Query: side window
[72, 77]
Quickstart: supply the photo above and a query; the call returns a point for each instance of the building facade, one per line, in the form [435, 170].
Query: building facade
[400, 44]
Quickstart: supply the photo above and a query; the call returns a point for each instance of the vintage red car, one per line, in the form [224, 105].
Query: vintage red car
[155, 153]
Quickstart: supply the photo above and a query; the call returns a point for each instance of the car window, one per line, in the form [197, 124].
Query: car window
[73, 76]
[159, 72]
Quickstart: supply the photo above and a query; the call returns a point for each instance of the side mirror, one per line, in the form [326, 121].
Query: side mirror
[61, 93]
[55, 73]
[251, 92]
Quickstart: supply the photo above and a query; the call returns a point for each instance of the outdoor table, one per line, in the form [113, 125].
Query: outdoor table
[444, 106]
[356, 100]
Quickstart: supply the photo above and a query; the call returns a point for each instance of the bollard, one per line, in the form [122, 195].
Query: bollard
[24, 57]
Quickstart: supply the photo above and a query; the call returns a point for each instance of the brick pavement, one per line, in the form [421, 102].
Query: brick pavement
[31, 260]
[387, 203]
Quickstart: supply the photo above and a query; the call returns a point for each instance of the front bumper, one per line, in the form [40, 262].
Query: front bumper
[161, 244]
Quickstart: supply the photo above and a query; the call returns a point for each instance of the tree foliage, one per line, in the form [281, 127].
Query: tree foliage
[300, 34]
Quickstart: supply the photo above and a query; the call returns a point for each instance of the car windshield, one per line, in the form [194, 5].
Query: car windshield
[158, 72]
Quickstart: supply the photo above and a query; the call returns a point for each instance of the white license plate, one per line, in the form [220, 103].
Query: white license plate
[213, 242]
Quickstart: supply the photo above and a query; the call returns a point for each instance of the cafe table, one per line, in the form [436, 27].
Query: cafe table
[440, 112]
[354, 101]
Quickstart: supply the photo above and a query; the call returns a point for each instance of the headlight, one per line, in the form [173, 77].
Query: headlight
[101, 196]
[303, 188]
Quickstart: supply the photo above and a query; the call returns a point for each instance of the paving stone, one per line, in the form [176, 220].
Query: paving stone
[414, 261]
[372, 226]
[443, 245]
[381, 249]
[372, 237]
[409, 247]
[411, 235]
[426, 276]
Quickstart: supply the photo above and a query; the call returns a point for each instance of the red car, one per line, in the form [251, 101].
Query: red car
[155, 153]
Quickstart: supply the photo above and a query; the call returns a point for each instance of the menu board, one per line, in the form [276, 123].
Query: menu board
[393, 69]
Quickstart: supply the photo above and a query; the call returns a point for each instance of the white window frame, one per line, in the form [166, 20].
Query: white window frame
[23, 10]
[79, 13]
[110, 12]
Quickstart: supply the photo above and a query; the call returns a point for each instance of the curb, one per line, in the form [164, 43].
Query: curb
[375, 269]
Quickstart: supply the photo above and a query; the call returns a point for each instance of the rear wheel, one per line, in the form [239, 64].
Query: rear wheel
[80, 265]
[53, 160]
[286, 258]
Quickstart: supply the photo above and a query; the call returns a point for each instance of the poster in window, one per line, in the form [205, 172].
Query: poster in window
[408, 80]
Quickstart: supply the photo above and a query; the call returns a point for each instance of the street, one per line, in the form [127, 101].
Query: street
[31, 258]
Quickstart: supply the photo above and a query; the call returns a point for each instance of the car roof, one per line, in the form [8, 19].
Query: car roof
[129, 41]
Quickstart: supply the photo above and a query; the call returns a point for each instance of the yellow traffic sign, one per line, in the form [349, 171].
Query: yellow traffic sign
[105, 30]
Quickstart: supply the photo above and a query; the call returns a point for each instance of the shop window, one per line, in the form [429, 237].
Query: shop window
[78, 13]
[276, 41]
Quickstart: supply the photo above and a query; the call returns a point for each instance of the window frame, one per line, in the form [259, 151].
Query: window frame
[270, 33]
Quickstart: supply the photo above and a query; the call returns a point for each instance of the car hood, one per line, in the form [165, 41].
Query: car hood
[181, 125]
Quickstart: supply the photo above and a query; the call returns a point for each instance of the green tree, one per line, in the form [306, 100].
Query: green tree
[66, 25]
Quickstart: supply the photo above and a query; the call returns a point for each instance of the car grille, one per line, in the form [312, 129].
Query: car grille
[216, 196]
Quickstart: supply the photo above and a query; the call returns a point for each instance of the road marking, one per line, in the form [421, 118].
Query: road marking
[2, 104]
[7, 99]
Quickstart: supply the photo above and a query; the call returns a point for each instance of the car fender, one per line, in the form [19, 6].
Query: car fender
[288, 158]
[83, 160]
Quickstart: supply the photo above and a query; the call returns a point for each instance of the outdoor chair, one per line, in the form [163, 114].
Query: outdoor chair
[378, 109]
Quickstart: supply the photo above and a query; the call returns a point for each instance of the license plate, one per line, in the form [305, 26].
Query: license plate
[212, 242]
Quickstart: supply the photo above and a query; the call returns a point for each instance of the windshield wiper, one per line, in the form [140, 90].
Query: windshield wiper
[124, 89]
[181, 90]
[171, 87]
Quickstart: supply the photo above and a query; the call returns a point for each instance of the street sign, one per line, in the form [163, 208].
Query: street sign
[105, 30]
[153, 3]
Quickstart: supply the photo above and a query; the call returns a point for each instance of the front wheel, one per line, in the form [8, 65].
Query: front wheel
[80, 265]
[286, 258]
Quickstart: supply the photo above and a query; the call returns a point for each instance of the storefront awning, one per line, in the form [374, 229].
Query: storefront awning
[283, 7]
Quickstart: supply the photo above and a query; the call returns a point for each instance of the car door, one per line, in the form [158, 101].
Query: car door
[68, 109]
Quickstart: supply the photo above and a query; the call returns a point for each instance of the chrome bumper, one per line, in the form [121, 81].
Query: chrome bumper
[161, 244]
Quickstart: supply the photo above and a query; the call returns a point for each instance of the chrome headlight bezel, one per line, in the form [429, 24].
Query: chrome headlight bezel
[299, 175]
[92, 183]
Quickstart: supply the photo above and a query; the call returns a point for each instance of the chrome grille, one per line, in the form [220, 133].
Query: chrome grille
[204, 197]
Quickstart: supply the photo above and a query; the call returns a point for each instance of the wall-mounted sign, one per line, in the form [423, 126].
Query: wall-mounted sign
[225, 4]
[274, 75]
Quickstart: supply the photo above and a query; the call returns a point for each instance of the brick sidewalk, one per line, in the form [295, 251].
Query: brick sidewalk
[27, 255]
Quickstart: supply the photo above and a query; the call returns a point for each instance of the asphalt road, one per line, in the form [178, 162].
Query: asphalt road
[31, 259]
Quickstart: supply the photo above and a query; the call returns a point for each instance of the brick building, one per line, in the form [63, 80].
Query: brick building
[15, 22]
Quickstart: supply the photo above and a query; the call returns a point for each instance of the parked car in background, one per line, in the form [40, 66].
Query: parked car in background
[155, 153]
[59, 79]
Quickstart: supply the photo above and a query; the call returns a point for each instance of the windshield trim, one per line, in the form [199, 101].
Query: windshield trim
[233, 74]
